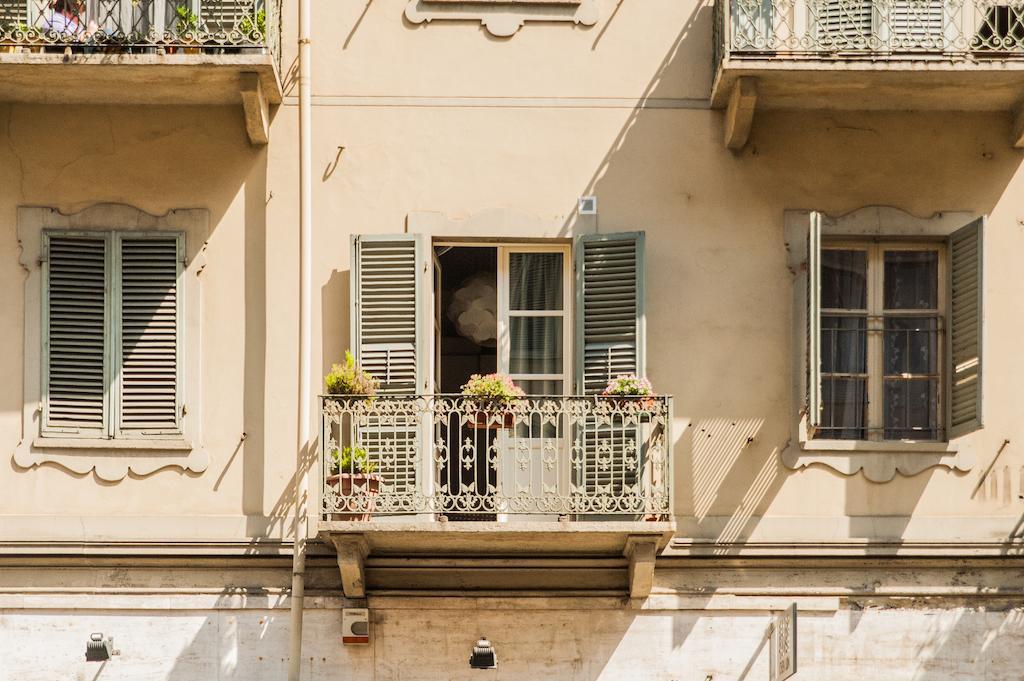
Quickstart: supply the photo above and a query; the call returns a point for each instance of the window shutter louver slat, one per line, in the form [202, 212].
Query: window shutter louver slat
[609, 272]
[609, 341]
[149, 320]
[846, 24]
[75, 335]
[386, 312]
[965, 328]
[388, 275]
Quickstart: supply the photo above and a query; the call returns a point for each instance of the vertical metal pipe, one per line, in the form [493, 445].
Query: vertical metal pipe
[305, 338]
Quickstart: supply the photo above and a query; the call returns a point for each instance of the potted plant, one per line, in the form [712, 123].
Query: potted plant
[629, 391]
[349, 379]
[254, 30]
[187, 27]
[355, 481]
[491, 394]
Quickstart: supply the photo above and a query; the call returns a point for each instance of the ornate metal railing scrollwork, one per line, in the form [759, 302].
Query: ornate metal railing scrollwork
[576, 456]
[140, 26]
[879, 29]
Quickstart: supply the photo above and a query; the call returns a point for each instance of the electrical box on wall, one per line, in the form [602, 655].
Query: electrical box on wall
[588, 205]
[355, 626]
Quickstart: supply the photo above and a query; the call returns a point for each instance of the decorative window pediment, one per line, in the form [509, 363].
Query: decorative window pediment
[503, 18]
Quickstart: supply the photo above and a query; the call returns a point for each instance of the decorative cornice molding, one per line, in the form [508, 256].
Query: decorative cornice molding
[503, 18]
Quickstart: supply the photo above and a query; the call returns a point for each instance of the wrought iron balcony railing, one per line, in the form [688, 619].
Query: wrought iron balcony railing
[450, 455]
[876, 29]
[140, 26]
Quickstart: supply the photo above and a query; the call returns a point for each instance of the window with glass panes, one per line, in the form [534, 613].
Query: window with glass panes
[881, 341]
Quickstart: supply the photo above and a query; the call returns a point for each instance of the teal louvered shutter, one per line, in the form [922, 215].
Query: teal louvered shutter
[391, 326]
[966, 284]
[610, 320]
[813, 404]
[610, 333]
[148, 317]
[75, 319]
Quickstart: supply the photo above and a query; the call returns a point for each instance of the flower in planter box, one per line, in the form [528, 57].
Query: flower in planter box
[492, 388]
[628, 385]
[349, 379]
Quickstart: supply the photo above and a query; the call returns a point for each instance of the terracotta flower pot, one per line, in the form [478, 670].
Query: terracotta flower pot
[484, 420]
[629, 403]
[367, 485]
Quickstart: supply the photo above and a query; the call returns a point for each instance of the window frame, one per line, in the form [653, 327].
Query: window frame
[113, 348]
[506, 313]
[875, 249]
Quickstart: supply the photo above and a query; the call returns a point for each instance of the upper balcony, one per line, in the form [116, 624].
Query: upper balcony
[539, 476]
[183, 52]
[866, 54]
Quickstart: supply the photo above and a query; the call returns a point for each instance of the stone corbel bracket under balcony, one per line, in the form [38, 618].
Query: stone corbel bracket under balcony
[585, 556]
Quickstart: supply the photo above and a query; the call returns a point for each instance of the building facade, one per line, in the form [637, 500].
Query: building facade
[798, 220]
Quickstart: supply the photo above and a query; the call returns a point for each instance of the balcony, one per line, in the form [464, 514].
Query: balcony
[864, 55]
[442, 475]
[185, 52]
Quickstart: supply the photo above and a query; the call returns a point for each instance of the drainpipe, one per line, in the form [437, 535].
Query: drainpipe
[305, 337]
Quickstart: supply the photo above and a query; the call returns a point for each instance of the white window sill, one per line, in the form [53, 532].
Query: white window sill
[879, 461]
[141, 444]
[113, 460]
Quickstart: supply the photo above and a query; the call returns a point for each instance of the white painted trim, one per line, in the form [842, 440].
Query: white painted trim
[114, 463]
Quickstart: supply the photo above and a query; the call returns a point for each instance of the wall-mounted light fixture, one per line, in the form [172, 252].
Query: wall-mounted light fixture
[483, 656]
[99, 648]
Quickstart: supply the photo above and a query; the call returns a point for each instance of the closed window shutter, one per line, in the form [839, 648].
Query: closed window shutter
[610, 308]
[391, 329]
[74, 335]
[813, 404]
[965, 328]
[148, 335]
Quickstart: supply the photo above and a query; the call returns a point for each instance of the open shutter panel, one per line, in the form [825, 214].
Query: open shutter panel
[390, 337]
[813, 341]
[148, 349]
[388, 280]
[610, 330]
[610, 308]
[74, 334]
[965, 328]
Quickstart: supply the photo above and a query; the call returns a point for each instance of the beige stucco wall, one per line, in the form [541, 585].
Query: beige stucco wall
[444, 118]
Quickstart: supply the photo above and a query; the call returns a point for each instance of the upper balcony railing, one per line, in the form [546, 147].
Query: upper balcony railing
[141, 26]
[574, 457]
[875, 29]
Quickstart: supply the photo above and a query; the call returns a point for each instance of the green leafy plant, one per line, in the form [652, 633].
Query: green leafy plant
[254, 28]
[187, 22]
[349, 379]
[353, 460]
[492, 388]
